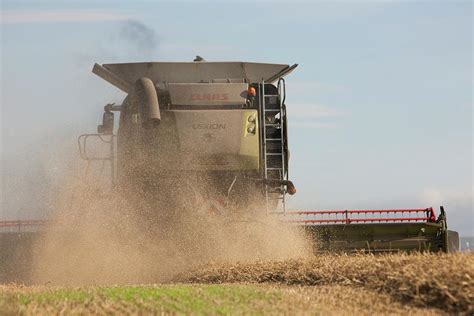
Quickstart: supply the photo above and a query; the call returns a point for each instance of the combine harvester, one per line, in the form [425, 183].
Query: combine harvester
[210, 139]
[217, 132]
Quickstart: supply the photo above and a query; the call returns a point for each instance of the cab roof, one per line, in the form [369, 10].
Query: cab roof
[195, 72]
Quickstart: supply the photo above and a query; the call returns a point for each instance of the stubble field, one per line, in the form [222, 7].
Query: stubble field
[328, 284]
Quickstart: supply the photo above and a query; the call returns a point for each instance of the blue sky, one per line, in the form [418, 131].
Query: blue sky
[380, 106]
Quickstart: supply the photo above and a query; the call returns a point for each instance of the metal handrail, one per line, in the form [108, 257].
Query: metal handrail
[82, 143]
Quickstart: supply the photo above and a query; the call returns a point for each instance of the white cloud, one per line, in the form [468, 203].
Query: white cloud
[59, 16]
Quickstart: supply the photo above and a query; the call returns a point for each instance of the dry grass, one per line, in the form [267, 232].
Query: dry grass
[346, 300]
[328, 284]
[444, 281]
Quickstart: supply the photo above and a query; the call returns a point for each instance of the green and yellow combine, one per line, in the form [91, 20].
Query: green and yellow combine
[216, 134]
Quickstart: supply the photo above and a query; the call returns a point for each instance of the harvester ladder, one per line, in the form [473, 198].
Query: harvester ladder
[273, 118]
[110, 157]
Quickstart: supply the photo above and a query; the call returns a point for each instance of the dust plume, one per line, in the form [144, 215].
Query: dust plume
[120, 238]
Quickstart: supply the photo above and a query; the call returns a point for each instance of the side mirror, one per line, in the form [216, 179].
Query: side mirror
[107, 126]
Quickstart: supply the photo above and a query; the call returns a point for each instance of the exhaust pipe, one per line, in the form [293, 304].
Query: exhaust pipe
[146, 101]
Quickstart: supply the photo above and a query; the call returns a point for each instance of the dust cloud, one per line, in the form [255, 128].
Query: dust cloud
[99, 236]
[114, 237]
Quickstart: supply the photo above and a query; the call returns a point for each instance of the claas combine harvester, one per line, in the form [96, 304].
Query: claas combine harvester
[216, 133]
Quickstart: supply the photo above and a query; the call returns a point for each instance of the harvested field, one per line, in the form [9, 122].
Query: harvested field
[328, 284]
[444, 281]
[202, 299]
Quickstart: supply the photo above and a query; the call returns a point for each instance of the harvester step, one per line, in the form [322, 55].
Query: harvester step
[277, 190]
[272, 110]
[273, 139]
[274, 168]
[273, 154]
[274, 146]
[276, 179]
[271, 96]
[273, 125]
[278, 198]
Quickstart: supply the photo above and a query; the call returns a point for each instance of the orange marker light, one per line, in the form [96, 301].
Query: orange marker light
[290, 188]
[251, 92]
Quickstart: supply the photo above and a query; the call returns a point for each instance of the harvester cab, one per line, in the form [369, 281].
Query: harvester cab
[216, 133]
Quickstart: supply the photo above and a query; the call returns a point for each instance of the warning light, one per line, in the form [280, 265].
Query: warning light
[290, 188]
